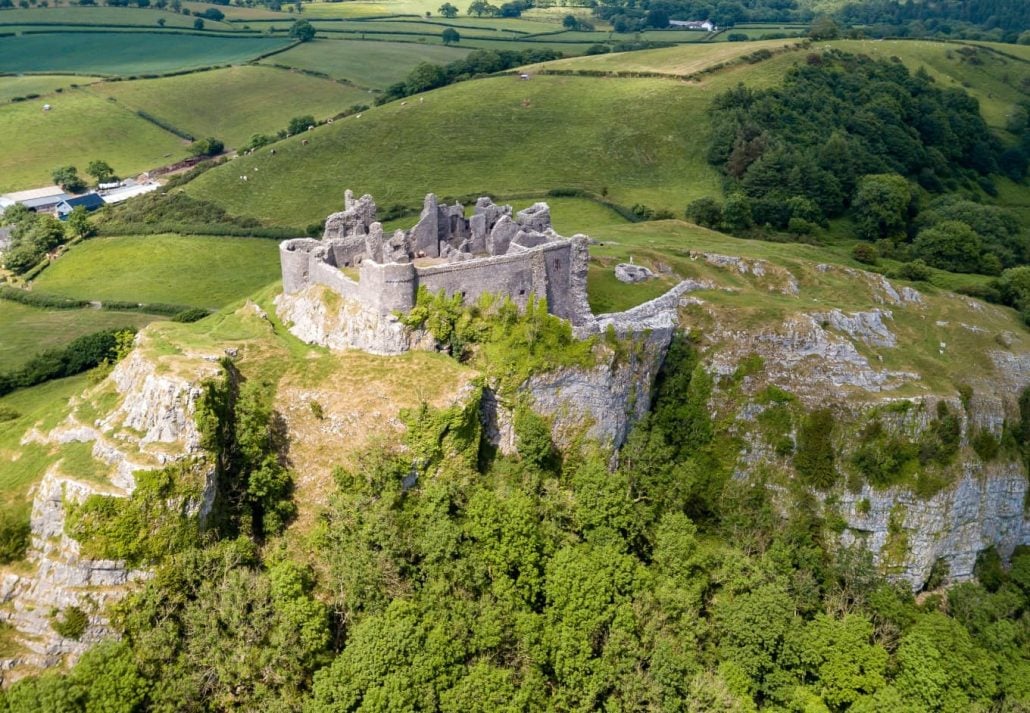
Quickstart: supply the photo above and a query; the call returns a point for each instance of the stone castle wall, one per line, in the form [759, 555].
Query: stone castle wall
[491, 251]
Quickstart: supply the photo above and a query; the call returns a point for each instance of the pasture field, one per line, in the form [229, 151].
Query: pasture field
[677, 61]
[238, 14]
[127, 16]
[370, 9]
[201, 271]
[26, 331]
[364, 63]
[233, 103]
[12, 87]
[497, 136]
[128, 53]
[79, 128]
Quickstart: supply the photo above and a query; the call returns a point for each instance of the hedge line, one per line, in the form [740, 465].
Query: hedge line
[45, 301]
[36, 299]
[109, 229]
[161, 123]
[80, 355]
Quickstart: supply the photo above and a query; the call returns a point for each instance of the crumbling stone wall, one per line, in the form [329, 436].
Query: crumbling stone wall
[493, 250]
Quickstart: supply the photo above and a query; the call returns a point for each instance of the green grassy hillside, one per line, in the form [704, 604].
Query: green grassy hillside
[233, 103]
[199, 271]
[128, 53]
[79, 128]
[364, 63]
[636, 140]
[14, 87]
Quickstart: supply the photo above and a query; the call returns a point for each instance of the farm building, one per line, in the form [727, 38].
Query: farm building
[89, 201]
[130, 190]
[705, 25]
[41, 200]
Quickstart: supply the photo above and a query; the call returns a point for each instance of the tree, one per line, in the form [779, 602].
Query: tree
[198, 24]
[67, 177]
[78, 223]
[705, 211]
[824, 28]
[101, 171]
[303, 31]
[213, 14]
[300, 124]
[949, 245]
[450, 36]
[736, 214]
[881, 206]
[161, 22]
[482, 7]
[207, 147]
[448, 10]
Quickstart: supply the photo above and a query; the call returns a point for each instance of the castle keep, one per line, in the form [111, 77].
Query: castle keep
[494, 251]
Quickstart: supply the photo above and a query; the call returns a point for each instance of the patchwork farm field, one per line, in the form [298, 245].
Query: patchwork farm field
[199, 271]
[128, 53]
[126, 16]
[233, 103]
[79, 128]
[13, 87]
[362, 62]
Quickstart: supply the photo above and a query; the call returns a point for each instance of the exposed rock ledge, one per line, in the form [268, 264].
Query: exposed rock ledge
[152, 425]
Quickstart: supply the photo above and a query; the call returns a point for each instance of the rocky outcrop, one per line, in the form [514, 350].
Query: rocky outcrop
[625, 272]
[318, 316]
[803, 356]
[151, 425]
[907, 534]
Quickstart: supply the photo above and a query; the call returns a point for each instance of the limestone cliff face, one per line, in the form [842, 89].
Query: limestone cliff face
[151, 426]
[316, 315]
[891, 363]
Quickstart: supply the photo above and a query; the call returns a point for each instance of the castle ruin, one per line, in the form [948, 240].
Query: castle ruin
[494, 250]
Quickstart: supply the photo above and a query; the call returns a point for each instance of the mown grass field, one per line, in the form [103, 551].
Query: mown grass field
[128, 53]
[26, 331]
[79, 128]
[130, 16]
[364, 63]
[11, 87]
[641, 140]
[233, 103]
[190, 270]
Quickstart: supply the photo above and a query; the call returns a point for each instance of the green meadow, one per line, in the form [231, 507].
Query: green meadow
[25, 331]
[79, 128]
[102, 16]
[128, 53]
[642, 143]
[364, 63]
[233, 103]
[199, 271]
[41, 84]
